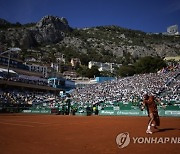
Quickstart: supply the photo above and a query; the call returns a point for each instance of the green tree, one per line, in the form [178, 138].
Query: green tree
[149, 64]
[106, 74]
[84, 59]
[82, 70]
[93, 72]
[126, 70]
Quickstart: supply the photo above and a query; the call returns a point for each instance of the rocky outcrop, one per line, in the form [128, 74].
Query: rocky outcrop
[49, 29]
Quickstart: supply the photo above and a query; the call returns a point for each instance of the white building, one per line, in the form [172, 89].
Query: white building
[75, 62]
[38, 69]
[103, 66]
[92, 63]
[58, 64]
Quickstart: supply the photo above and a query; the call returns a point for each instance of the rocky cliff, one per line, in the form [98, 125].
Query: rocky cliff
[49, 29]
[107, 43]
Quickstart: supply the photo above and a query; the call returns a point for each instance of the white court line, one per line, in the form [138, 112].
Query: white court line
[16, 124]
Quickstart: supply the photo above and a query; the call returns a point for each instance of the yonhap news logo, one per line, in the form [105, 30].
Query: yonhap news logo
[123, 140]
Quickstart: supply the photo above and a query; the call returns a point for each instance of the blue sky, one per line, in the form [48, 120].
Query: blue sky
[144, 15]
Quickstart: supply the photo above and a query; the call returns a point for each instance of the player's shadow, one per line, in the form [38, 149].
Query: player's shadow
[166, 129]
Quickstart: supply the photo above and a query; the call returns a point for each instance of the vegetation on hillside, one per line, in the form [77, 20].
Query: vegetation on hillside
[111, 44]
[143, 65]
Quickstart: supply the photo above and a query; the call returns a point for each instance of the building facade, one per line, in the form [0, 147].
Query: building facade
[13, 63]
[75, 62]
[38, 68]
[103, 66]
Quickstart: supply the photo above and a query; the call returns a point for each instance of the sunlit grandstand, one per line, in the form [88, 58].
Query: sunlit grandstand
[118, 96]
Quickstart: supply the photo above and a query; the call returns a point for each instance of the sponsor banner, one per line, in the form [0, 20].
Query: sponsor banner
[45, 111]
[175, 113]
[172, 113]
[138, 113]
[123, 112]
[37, 111]
[131, 112]
[26, 111]
[107, 112]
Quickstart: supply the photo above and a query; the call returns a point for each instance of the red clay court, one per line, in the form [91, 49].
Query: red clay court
[57, 134]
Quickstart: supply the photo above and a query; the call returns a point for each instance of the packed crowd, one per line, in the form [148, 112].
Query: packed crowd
[30, 80]
[27, 79]
[166, 85]
[13, 76]
[17, 97]
[131, 89]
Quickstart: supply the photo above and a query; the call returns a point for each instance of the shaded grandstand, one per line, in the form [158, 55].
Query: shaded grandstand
[21, 92]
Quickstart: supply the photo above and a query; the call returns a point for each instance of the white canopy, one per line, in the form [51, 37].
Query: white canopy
[6, 71]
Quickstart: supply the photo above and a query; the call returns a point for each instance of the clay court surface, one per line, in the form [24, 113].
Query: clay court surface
[57, 134]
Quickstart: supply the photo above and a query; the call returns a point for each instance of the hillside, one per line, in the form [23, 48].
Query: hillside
[53, 35]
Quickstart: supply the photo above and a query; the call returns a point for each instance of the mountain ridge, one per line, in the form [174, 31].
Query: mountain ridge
[53, 35]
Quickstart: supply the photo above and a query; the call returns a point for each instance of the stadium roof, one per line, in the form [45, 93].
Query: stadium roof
[6, 71]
